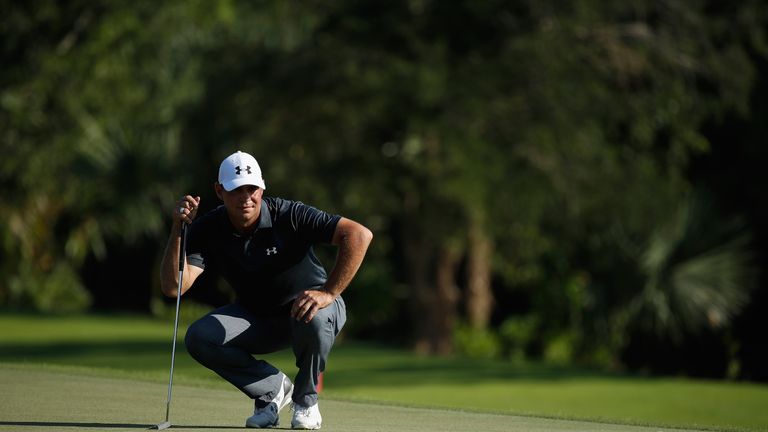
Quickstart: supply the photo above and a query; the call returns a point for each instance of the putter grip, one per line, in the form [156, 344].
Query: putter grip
[183, 248]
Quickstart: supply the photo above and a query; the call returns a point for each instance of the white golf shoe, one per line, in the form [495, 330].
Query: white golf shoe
[268, 416]
[306, 417]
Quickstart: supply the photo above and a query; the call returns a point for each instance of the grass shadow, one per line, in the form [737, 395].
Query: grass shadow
[349, 365]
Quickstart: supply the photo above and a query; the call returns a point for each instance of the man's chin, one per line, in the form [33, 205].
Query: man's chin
[243, 219]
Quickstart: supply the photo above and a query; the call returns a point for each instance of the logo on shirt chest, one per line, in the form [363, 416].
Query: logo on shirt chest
[272, 251]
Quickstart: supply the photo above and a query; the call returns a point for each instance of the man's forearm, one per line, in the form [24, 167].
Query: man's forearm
[352, 239]
[352, 248]
[169, 267]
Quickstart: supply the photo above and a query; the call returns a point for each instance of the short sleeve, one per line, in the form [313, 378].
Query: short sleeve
[315, 226]
[194, 249]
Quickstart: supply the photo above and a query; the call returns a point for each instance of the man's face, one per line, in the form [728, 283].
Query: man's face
[243, 204]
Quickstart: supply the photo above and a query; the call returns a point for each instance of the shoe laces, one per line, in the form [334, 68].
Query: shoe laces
[270, 409]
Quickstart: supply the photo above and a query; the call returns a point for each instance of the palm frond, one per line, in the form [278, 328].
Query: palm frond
[698, 273]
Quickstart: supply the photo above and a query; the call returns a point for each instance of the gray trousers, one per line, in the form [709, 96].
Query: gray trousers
[226, 339]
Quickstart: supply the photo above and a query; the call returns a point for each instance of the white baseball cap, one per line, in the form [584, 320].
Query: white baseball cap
[240, 169]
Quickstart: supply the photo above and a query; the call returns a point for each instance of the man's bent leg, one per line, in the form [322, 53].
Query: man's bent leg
[312, 343]
[223, 341]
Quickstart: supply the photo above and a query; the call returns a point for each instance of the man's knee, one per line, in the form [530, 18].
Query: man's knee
[309, 329]
[202, 338]
[317, 335]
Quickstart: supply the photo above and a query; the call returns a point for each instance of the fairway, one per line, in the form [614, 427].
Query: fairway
[37, 399]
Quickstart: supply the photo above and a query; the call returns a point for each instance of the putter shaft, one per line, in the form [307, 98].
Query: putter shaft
[182, 255]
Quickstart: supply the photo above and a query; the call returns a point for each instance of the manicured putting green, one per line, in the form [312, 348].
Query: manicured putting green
[61, 399]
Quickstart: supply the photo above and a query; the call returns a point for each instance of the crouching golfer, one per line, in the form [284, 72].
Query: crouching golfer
[262, 246]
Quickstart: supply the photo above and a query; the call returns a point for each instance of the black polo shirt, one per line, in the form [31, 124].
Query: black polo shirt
[271, 266]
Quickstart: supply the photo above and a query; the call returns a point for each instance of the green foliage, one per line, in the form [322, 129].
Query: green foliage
[698, 273]
[56, 291]
[517, 335]
[476, 343]
[560, 349]
[88, 114]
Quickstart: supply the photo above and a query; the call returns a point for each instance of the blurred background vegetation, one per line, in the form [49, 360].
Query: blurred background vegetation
[572, 182]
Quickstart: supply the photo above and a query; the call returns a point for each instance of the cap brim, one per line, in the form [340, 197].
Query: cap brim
[236, 183]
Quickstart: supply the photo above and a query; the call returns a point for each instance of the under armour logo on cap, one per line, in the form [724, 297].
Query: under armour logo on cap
[240, 169]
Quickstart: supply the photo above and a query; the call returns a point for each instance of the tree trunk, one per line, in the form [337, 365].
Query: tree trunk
[479, 297]
[434, 301]
[442, 311]
[417, 268]
[418, 253]
[431, 271]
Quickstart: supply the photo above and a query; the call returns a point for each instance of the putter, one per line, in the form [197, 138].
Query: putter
[182, 254]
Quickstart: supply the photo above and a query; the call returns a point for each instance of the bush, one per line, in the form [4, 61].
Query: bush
[517, 335]
[476, 343]
[57, 291]
[560, 349]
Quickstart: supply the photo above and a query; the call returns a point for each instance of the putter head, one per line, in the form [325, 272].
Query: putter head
[161, 426]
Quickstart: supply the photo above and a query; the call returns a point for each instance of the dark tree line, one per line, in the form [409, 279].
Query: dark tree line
[570, 182]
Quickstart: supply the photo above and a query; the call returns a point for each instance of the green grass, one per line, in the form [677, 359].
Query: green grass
[138, 349]
[79, 399]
